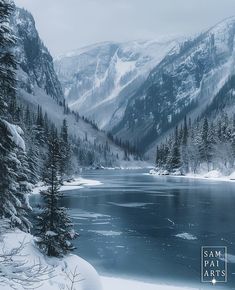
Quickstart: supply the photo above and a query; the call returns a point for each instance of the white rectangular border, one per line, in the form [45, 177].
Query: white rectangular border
[226, 263]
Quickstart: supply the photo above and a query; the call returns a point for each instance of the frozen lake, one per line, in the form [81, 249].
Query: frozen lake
[152, 228]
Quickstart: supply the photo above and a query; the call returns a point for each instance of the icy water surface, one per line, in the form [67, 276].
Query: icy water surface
[152, 228]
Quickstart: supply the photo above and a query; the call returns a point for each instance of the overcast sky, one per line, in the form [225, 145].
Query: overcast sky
[65, 25]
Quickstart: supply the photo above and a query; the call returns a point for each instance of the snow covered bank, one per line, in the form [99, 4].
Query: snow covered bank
[215, 175]
[122, 284]
[131, 165]
[54, 274]
[76, 183]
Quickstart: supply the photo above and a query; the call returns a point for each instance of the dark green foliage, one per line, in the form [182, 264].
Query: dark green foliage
[174, 158]
[54, 228]
[65, 151]
[14, 185]
[7, 59]
[203, 145]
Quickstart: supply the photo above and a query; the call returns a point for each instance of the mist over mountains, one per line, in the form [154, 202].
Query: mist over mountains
[137, 90]
[140, 90]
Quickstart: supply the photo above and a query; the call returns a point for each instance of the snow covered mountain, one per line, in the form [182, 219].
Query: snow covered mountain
[35, 61]
[140, 90]
[186, 81]
[99, 80]
[38, 84]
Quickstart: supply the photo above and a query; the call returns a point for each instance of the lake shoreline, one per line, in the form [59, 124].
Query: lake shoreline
[103, 216]
[75, 183]
[205, 176]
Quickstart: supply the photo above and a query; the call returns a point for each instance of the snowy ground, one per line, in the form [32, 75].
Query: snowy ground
[77, 183]
[57, 273]
[122, 284]
[131, 165]
[215, 175]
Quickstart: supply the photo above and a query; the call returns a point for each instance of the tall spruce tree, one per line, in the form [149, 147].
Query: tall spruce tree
[65, 151]
[7, 60]
[174, 161]
[13, 201]
[54, 228]
[184, 148]
[13, 183]
[205, 146]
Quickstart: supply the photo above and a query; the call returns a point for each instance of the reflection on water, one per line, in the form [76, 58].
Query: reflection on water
[151, 227]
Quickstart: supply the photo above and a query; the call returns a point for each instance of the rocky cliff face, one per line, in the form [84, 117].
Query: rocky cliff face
[36, 67]
[99, 80]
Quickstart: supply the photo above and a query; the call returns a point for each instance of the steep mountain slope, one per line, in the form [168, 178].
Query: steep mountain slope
[224, 101]
[34, 58]
[185, 82]
[38, 85]
[99, 80]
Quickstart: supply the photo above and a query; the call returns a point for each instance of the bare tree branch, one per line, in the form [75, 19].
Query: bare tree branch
[15, 269]
[74, 277]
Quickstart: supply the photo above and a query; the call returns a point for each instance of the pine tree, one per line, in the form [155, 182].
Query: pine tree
[39, 131]
[13, 198]
[174, 161]
[185, 132]
[54, 229]
[7, 60]
[25, 187]
[13, 201]
[33, 157]
[65, 151]
[233, 136]
[28, 118]
[158, 156]
[205, 146]
[184, 147]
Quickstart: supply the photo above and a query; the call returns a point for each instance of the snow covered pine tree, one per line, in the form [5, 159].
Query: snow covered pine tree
[13, 195]
[54, 228]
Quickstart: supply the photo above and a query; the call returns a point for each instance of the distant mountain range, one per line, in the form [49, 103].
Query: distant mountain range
[141, 89]
[137, 90]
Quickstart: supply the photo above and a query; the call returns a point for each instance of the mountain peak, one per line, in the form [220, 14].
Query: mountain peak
[99, 79]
